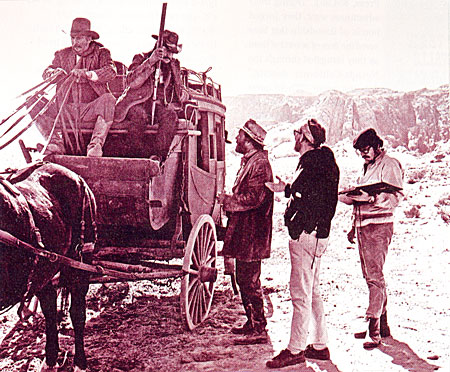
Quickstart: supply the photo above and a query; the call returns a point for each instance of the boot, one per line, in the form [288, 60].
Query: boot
[246, 329]
[374, 334]
[384, 328]
[98, 138]
[362, 334]
[55, 145]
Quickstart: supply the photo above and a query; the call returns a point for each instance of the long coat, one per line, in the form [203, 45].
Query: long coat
[250, 208]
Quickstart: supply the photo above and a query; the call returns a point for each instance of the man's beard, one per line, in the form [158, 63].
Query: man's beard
[240, 149]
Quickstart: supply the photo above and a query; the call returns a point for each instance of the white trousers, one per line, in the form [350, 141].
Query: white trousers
[304, 288]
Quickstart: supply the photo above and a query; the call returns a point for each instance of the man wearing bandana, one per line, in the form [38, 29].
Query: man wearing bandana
[84, 95]
[312, 203]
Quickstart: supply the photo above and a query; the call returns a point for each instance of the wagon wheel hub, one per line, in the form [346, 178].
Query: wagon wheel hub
[207, 274]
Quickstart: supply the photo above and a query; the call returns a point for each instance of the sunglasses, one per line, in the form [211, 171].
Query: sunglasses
[364, 150]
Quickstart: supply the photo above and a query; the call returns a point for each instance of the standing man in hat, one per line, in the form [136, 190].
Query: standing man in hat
[136, 102]
[84, 95]
[249, 231]
[312, 203]
[373, 217]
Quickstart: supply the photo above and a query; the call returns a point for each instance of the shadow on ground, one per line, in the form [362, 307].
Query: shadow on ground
[404, 356]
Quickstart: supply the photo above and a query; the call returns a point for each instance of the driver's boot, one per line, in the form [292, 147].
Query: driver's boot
[55, 145]
[101, 129]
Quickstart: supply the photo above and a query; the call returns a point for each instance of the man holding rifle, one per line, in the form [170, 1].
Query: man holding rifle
[373, 225]
[139, 103]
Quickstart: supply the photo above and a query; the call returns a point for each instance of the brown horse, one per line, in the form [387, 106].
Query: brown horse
[50, 208]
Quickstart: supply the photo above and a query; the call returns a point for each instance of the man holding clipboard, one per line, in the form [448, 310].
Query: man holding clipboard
[374, 200]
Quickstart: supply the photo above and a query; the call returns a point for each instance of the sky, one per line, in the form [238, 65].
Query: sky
[253, 46]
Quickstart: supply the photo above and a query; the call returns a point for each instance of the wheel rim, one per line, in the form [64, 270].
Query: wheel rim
[199, 267]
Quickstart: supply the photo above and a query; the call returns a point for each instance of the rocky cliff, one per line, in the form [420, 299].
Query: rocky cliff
[416, 120]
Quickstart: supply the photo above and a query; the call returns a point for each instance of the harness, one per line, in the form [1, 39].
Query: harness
[39, 249]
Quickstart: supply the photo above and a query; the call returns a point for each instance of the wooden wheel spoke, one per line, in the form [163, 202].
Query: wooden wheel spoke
[192, 283]
[207, 245]
[203, 302]
[197, 307]
[193, 299]
[193, 272]
[210, 261]
[201, 243]
[200, 252]
[211, 246]
[198, 246]
[195, 259]
[208, 292]
[193, 287]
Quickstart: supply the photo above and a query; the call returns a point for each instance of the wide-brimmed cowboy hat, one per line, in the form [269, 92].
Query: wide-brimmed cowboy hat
[255, 131]
[82, 26]
[170, 41]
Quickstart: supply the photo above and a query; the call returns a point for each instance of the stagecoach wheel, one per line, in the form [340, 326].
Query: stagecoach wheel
[200, 273]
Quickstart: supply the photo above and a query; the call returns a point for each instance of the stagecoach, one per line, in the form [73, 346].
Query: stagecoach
[150, 214]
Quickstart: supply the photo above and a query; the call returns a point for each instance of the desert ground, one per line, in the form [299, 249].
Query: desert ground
[138, 326]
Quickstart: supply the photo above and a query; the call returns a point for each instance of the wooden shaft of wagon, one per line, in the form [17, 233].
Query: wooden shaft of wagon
[156, 253]
[161, 274]
[129, 268]
[10, 240]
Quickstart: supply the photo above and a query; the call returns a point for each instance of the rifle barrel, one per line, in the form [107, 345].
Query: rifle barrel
[158, 68]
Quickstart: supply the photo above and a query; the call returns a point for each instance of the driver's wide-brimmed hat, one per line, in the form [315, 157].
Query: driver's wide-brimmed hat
[170, 41]
[255, 131]
[82, 26]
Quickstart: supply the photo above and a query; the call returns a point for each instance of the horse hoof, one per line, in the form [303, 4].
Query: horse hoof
[78, 369]
[46, 368]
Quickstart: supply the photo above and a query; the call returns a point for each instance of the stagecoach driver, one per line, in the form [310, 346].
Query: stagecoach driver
[249, 231]
[89, 65]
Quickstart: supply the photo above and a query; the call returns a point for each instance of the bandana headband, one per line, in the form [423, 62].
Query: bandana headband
[307, 132]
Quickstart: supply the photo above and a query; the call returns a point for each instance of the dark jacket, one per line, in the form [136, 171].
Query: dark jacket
[313, 194]
[98, 59]
[250, 208]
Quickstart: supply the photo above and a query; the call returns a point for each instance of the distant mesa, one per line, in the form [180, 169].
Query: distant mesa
[416, 120]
